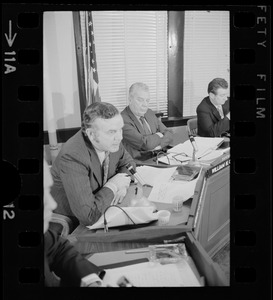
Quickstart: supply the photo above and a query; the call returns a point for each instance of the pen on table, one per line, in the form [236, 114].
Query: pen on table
[137, 251]
[180, 239]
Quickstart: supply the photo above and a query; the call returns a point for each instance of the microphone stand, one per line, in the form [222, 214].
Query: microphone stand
[194, 161]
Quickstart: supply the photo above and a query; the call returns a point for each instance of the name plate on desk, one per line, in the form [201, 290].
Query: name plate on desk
[218, 167]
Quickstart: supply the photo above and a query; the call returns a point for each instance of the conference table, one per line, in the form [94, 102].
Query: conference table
[205, 215]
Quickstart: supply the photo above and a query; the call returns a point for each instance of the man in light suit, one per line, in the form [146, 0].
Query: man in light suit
[60, 256]
[142, 136]
[213, 112]
[82, 187]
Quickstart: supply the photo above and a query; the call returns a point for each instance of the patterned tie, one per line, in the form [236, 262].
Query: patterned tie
[145, 126]
[105, 167]
[219, 108]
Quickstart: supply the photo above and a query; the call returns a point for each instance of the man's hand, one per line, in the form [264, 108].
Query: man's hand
[119, 196]
[159, 134]
[121, 181]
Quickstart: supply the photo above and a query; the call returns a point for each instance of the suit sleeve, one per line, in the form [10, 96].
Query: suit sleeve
[209, 128]
[65, 261]
[142, 142]
[124, 159]
[86, 204]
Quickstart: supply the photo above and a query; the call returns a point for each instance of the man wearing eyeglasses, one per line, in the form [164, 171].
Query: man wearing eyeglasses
[213, 114]
[143, 133]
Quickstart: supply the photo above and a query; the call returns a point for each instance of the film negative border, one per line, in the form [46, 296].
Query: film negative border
[22, 81]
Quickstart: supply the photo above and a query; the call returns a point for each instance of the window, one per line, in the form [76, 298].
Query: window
[206, 54]
[131, 46]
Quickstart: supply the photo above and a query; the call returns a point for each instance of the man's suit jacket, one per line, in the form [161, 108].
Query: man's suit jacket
[62, 258]
[134, 138]
[78, 183]
[209, 121]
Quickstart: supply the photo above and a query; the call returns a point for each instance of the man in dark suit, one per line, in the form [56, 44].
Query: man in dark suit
[143, 132]
[60, 256]
[213, 113]
[90, 171]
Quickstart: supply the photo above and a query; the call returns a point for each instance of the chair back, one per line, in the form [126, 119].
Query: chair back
[62, 224]
[192, 126]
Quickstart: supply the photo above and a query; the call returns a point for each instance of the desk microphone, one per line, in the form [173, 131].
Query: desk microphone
[135, 174]
[192, 140]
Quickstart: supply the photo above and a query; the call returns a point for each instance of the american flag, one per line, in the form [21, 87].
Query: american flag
[92, 72]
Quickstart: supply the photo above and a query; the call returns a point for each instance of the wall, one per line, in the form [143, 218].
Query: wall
[60, 71]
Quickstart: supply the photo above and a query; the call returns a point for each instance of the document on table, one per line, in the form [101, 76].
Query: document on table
[151, 175]
[205, 145]
[164, 192]
[153, 275]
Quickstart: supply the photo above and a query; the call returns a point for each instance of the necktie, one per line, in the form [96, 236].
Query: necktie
[219, 108]
[145, 126]
[105, 167]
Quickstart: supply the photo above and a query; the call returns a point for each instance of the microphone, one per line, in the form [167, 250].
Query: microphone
[192, 140]
[135, 174]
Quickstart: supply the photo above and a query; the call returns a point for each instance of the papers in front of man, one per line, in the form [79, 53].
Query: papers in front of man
[164, 187]
[114, 217]
[204, 144]
[164, 192]
[182, 153]
[151, 175]
[150, 274]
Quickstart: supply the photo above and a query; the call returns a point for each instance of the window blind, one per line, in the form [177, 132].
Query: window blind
[206, 54]
[131, 46]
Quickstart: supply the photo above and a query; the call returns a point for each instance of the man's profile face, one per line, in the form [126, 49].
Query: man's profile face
[220, 96]
[49, 203]
[139, 102]
[106, 134]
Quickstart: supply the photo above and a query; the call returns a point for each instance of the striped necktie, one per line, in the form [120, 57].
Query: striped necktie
[145, 126]
[105, 167]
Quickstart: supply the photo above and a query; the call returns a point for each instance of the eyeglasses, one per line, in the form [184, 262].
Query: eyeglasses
[181, 157]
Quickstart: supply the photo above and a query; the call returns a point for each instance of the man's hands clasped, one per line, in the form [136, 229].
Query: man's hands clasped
[122, 182]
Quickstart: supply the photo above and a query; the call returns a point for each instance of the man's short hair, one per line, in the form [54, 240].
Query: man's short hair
[137, 86]
[217, 83]
[96, 110]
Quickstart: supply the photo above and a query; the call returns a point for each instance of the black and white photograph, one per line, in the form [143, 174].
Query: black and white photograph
[136, 150]
[136, 107]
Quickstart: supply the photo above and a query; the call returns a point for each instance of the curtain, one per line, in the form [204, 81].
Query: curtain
[89, 59]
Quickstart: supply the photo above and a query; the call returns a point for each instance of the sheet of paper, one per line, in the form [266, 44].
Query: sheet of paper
[153, 275]
[205, 145]
[164, 192]
[152, 174]
[117, 217]
[214, 154]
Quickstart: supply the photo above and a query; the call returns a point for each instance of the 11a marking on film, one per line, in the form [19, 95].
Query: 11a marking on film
[10, 55]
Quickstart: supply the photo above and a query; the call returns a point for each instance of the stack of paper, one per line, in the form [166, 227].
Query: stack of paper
[153, 275]
[164, 192]
[151, 175]
[205, 145]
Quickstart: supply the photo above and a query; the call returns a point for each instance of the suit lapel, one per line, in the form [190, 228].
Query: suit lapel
[94, 162]
[149, 117]
[135, 120]
[214, 110]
